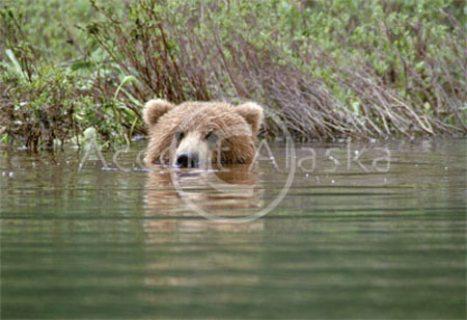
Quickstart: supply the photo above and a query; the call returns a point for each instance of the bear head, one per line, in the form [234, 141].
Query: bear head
[194, 134]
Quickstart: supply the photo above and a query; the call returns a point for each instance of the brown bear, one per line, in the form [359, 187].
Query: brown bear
[194, 134]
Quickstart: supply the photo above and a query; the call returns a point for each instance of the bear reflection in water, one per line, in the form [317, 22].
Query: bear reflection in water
[190, 196]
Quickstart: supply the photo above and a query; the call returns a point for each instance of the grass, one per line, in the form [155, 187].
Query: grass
[329, 69]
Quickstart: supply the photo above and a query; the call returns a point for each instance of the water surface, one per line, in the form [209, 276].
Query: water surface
[364, 238]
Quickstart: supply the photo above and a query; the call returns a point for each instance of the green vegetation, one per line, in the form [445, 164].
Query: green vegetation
[328, 68]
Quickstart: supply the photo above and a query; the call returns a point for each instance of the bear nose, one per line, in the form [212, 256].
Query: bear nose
[187, 160]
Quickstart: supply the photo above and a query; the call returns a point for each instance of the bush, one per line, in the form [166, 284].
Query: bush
[47, 99]
[329, 69]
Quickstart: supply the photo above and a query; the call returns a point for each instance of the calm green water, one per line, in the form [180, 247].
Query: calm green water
[347, 241]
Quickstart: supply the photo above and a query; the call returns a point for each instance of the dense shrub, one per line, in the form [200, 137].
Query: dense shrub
[52, 94]
[329, 68]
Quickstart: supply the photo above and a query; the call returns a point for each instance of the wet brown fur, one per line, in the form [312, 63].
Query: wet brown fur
[237, 127]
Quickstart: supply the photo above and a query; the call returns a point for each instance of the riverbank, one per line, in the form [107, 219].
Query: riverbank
[362, 69]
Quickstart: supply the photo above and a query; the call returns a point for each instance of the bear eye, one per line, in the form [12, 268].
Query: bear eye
[211, 137]
[179, 135]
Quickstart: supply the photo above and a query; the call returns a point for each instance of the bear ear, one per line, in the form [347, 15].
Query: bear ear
[252, 113]
[154, 109]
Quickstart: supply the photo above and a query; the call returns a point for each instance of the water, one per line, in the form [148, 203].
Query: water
[365, 238]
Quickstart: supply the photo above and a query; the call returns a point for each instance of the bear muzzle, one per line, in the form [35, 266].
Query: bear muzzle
[192, 152]
[187, 160]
